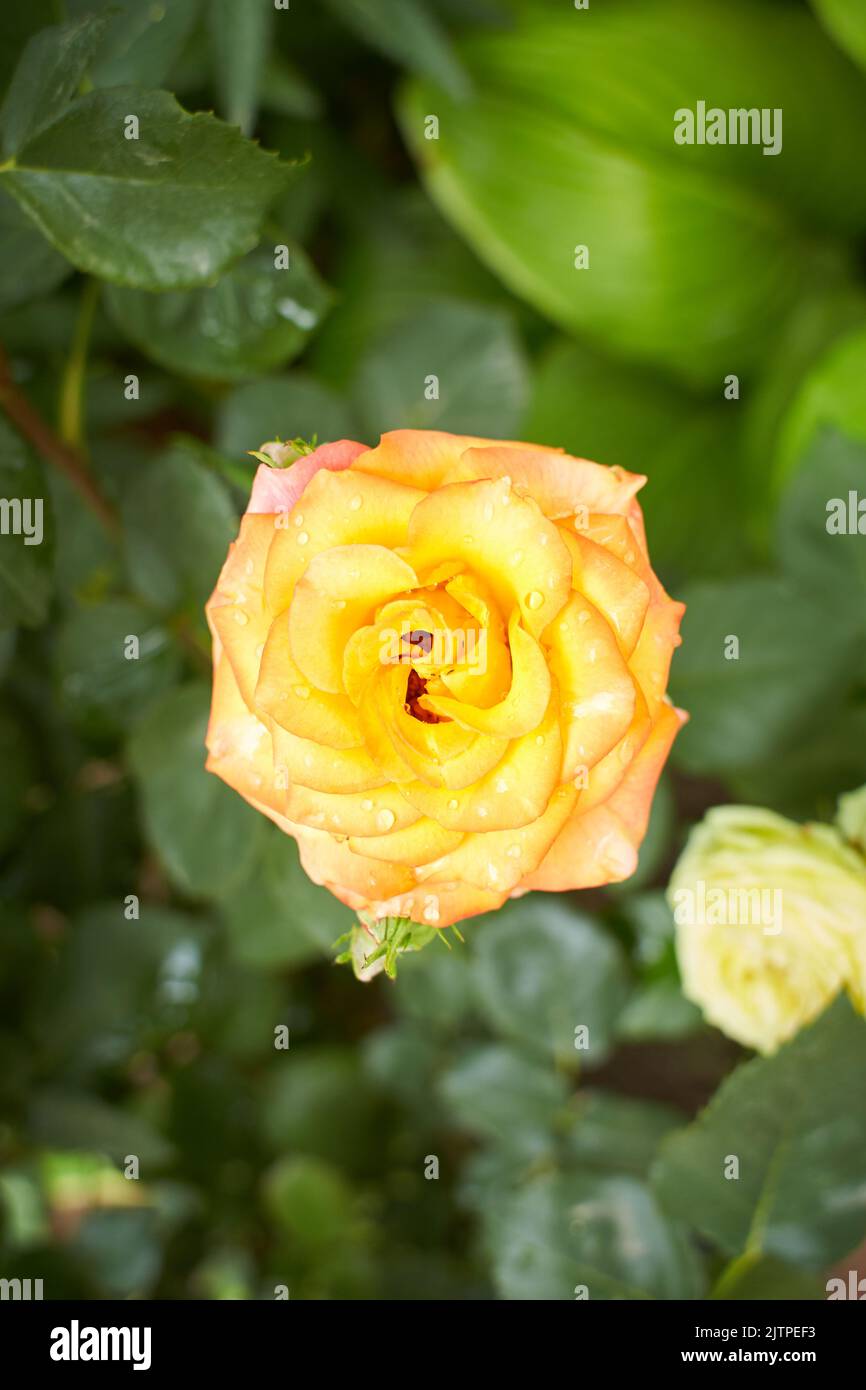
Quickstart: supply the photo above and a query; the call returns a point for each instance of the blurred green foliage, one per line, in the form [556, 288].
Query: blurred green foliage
[168, 1002]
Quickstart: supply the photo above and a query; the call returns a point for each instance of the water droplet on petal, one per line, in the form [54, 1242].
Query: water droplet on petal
[488, 511]
[453, 804]
[534, 599]
[517, 557]
[583, 616]
[482, 811]
[385, 819]
[356, 504]
[543, 538]
[249, 567]
[241, 618]
[431, 910]
[366, 804]
[513, 851]
[502, 785]
[298, 519]
[303, 538]
[302, 692]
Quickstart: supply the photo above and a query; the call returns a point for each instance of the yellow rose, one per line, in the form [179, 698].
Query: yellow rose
[440, 664]
[771, 922]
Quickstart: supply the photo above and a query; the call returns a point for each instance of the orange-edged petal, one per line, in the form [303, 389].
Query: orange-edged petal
[596, 688]
[414, 845]
[601, 846]
[239, 745]
[563, 486]
[323, 769]
[613, 587]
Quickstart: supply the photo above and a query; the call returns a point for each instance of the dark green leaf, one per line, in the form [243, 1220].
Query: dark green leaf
[277, 916]
[796, 1126]
[168, 210]
[204, 833]
[543, 971]
[498, 1092]
[47, 77]
[143, 41]
[451, 366]
[567, 1233]
[179, 520]
[288, 407]
[253, 319]
[846, 21]
[112, 659]
[240, 35]
[747, 708]
[28, 265]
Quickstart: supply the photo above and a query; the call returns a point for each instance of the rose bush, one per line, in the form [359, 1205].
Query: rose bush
[440, 664]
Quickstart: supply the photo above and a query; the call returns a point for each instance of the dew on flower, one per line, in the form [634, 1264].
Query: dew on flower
[302, 692]
[241, 618]
[385, 818]
[513, 851]
[482, 811]
[303, 538]
[298, 519]
[517, 557]
[501, 785]
[366, 804]
[488, 511]
[583, 616]
[453, 804]
[356, 504]
[431, 909]
[534, 599]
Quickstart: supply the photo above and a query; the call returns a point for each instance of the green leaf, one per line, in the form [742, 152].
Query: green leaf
[310, 1201]
[616, 1133]
[26, 534]
[169, 210]
[277, 916]
[451, 366]
[253, 319]
[830, 397]
[121, 986]
[805, 783]
[204, 833]
[179, 520]
[19, 24]
[240, 36]
[748, 708]
[542, 971]
[106, 681]
[497, 1092]
[791, 1121]
[568, 1232]
[28, 265]
[46, 78]
[846, 21]
[281, 408]
[824, 494]
[618, 414]
[407, 32]
[696, 252]
[143, 41]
